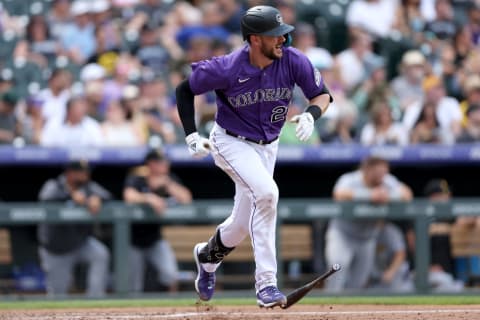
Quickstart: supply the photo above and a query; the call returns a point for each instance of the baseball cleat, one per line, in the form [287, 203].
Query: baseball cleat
[270, 297]
[205, 281]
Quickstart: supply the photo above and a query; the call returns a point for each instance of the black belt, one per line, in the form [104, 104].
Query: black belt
[261, 142]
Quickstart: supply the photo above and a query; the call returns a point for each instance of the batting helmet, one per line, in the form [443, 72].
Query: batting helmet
[264, 20]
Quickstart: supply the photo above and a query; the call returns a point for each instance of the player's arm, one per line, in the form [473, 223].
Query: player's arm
[397, 261]
[311, 82]
[197, 145]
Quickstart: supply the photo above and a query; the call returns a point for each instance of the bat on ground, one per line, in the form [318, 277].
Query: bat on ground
[296, 295]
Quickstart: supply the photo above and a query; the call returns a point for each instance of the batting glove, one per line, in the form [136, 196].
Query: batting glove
[198, 146]
[305, 126]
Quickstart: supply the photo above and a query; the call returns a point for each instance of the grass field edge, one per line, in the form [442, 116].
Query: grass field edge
[191, 302]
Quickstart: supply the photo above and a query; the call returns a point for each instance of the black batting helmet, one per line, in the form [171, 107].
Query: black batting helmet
[264, 20]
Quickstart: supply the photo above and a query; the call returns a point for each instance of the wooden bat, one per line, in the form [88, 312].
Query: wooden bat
[296, 295]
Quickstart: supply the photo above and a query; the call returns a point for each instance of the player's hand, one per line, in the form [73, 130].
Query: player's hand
[198, 146]
[157, 203]
[94, 204]
[380, 195]
[305, 126]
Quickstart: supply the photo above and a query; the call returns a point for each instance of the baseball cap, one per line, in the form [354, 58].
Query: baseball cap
[436, 186]
[92, 71]
[10, 97]
[472, 83]
[79, 7]
[413, 58]
[154, 154]
[100, 6]
[77, 165]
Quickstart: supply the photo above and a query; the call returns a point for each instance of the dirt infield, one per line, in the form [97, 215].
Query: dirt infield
[303, 312]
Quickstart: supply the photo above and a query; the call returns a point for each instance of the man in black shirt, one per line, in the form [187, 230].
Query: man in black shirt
[64, 245]
[154, 185]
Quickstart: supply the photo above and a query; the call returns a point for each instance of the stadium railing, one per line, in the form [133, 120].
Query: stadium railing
[420, 211]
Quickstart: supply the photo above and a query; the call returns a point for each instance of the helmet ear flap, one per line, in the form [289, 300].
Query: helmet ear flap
[288, 40]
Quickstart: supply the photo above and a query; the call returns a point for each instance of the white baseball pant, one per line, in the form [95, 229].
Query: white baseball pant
[250, 166]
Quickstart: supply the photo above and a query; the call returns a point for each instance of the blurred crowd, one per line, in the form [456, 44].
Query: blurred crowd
[103, 72]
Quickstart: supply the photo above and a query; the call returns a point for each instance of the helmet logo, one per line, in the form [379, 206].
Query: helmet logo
[279, 19]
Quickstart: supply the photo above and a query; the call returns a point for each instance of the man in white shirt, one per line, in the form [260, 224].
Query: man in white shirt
[374, 16]
[76, 129]
[351, 61]
[447, 110]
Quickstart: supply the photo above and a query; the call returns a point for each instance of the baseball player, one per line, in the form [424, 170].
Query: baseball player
[253, 85]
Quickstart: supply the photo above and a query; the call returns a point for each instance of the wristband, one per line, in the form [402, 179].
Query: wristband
[315, 111]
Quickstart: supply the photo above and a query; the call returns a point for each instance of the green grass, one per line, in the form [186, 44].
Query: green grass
[183, 302]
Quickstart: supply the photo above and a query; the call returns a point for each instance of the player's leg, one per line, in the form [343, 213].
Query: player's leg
[362, 264]
[338, 249]
[97, 256]
[136, 270]
[249, 166]
[162, 257]
[58, 270]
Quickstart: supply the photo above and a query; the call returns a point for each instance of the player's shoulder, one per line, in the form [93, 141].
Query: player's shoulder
[224, 62]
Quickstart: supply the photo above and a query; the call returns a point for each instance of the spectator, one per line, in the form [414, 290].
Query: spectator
[150, 52]
[93, 77]
[447, 109]
[341, 129]
[377, 17]
[156, 187]
[105, 23]
[56, 95]
[409, 20]
[41, 42]
[78, 38]
[75, 130]
[117, 130]
[136, 113]
[390, 269]
[471, 132]
[210, 27]
[351, 60]
[375, 87]
[26, 72]
[352, 243]
[304, 40]
[58, 17]
[156, 105]
[32, 121]
[8, 120]
[443, 27]
[427, 128]
[407, 87]
[382, 130]
[471, 91]
[62, 246]
[440, 271]
[474, 22]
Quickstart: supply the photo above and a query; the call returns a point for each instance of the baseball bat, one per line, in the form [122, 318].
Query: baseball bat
[296, 295]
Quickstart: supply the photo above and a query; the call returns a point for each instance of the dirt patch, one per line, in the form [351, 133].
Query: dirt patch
[298, 312]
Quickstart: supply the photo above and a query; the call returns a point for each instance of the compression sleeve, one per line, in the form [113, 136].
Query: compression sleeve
[186, 109]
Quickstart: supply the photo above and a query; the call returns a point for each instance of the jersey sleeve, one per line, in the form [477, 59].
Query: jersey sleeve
[306, 76]
[208, 75]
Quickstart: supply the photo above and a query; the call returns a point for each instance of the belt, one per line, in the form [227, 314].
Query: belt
[260, 142]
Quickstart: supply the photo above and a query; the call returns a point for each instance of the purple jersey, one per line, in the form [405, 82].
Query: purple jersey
[253, 102]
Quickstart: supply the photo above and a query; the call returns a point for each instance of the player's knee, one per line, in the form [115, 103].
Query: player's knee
[268, 196]
[100, 255]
